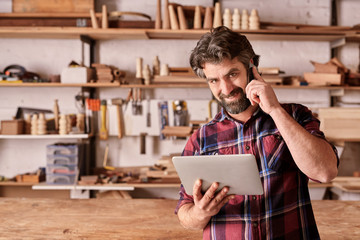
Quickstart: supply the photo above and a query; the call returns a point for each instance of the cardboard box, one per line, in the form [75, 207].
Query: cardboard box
[12, 127]
[76, 75]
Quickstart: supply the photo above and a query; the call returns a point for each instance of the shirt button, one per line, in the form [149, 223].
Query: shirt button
[255, 224]
[247, 147]
[278, 137]
[254, 198]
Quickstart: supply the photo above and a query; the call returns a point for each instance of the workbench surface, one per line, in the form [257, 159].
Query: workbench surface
[26, 218]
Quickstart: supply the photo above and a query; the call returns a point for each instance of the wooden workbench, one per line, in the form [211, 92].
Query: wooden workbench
[24, 218]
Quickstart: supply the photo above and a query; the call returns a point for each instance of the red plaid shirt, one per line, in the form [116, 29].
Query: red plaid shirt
[284, 211]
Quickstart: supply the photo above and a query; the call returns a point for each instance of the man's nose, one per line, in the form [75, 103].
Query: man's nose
[226, 86]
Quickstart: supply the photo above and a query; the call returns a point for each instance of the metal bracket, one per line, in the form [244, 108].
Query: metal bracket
[91, 42]
[338, 43]
[339, 92]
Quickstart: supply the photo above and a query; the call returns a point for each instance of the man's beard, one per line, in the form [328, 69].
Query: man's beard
[237, 106]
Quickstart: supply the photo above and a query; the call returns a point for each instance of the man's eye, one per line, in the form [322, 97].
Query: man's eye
[232, 75]
[212, 81]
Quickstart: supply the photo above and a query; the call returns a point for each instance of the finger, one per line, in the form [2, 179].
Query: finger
[197, 190]
[254, 97]
[210, 193]
[225, 200]
[251, 93]
[257, 75]
[219, 197]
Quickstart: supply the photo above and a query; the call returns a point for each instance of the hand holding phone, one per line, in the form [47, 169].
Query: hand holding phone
[251, 74]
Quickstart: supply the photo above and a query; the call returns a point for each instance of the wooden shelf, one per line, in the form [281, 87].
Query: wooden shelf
[16, 184]
[115, 186]
[93, 85]
[47, 136]
[311, 34]
[160, 85]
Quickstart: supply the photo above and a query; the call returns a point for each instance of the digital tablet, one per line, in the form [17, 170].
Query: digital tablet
[239, 172]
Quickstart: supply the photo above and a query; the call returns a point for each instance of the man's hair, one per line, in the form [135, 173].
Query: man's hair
[219, 44]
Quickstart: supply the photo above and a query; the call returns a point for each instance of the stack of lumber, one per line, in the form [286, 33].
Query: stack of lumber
[177, 131]
[164, 169]
[179, 75]
[340, 123]
[107, 74]
[271, 75]
[325, 74]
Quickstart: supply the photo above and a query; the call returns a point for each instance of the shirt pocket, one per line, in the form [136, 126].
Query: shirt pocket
[221, 151]
[272, 151]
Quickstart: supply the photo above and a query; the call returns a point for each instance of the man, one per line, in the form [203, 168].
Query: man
[285, 139]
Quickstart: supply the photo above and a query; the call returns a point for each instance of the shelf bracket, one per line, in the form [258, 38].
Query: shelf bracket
[338, 43]
[91, 42]
[337, 92]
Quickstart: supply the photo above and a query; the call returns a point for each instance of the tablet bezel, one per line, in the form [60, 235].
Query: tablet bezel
[238, 171]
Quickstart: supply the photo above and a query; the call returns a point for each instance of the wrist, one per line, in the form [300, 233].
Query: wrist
[276, 112]
[198, 215]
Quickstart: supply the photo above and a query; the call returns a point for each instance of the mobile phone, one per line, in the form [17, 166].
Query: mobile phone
[251, 74]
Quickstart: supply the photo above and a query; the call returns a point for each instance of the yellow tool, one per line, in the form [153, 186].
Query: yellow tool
[118, 102]
[106, 158]
[103, 130]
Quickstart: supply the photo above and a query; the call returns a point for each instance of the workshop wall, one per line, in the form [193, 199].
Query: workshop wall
[49, 56]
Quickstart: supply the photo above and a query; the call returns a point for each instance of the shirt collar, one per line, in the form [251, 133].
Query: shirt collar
[222, 115]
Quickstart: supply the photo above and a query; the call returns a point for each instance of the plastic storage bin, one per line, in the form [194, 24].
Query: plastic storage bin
[62, 160]
[60, 179]
[62, 149]
[61, 169]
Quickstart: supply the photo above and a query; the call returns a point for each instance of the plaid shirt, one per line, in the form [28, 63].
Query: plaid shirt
[284, 211]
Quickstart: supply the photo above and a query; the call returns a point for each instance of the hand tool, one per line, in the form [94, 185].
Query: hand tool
[134, 104]
[128, 98]
[143, 143]
[106, 158]
[148, 114]
[120, 122]
[103, 130]
[139, 102]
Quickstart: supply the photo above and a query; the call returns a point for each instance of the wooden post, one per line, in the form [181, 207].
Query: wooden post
[166, 22]
[182, 19]
[94, 22]
[197, 18]
[104, 21]
[217, 15]
[208, 20]
[158, 15]
[173, 18]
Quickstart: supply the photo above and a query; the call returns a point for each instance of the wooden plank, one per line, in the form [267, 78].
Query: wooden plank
[49, 6]
[340, 123]
[323, 79]
[92, 219]
[325, 67]
[178, 131]
[178, 79]
[24, 218]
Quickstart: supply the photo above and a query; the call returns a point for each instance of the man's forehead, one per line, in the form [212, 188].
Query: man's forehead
[225, 65]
